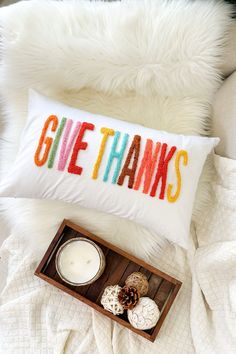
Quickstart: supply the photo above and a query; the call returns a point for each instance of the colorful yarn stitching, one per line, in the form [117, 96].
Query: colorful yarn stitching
[65, 149]
[184, 154]
[48, 141]
[118, 155]
[126, 171]
[151, 161]
[106, 132]
[148, 165]
[79, 145]
[56, 143]
[162, 171]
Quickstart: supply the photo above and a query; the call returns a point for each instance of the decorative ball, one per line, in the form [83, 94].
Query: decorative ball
[139, 281]
[110, 300]
[145, 314]
[128, 297]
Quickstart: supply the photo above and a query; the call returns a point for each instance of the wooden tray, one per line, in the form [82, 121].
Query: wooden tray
[119, 264]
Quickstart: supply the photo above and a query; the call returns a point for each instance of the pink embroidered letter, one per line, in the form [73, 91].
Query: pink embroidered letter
[67, 146]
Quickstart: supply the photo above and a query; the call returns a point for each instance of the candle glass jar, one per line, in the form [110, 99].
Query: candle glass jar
[63, 262]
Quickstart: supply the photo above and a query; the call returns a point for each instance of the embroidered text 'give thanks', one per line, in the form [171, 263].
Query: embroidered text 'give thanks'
[146, 171]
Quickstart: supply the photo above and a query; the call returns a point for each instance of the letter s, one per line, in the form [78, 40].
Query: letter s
[180, 154]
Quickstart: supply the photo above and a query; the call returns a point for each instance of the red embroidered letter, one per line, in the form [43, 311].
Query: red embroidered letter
[148, 165]
[79, 145]
[126, 171]
[48, 141]
[162, 171]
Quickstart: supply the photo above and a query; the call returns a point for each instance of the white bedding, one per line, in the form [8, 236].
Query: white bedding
[35, 317]
[98, 59]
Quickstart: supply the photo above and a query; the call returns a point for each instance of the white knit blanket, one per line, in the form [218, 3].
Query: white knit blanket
[37, 318]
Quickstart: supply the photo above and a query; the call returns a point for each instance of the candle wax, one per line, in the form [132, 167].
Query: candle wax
[79, 261]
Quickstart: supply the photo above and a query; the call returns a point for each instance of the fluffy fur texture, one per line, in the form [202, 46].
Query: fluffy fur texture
[151, 62]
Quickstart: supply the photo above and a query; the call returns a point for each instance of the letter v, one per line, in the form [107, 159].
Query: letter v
[67, 146]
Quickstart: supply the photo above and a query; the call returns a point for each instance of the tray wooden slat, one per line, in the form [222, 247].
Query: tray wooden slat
[154, 283]
[119, 265]
[162, 293]
[132, 267]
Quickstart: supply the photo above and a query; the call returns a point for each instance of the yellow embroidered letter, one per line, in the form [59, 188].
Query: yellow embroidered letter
[106, 132]
[184, 154]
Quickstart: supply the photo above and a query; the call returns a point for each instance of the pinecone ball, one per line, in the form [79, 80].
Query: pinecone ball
[139, 281]
[128, 297]
[110, 300]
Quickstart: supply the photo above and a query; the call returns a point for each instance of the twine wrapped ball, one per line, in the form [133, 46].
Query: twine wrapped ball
[110, 300]
[145, 314]
[139, 281]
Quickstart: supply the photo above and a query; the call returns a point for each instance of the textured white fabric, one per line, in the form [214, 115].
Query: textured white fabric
[33, 177]
[229, 64]
[35, 317]
[214, 268]
[224, 117]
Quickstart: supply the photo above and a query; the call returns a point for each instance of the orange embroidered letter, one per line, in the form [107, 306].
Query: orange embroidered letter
[79, 145]
[126, 171]
[184, 154]
[162, 171]
[48, 141]
[106, 132]
[148, 164]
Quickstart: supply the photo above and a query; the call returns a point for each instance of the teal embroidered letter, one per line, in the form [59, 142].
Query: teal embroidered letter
[116, 154]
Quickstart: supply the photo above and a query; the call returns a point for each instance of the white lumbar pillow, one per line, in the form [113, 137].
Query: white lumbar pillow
[135, 172]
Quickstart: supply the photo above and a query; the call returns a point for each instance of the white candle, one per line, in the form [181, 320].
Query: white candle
[80, 261]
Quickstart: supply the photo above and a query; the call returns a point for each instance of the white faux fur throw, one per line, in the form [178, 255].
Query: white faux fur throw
[151, 62]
